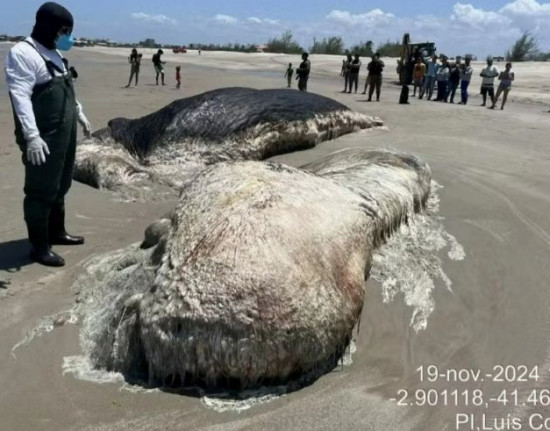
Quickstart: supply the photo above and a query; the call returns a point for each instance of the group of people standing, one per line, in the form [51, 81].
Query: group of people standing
[350, 71]
[449, 76]
[135, 63]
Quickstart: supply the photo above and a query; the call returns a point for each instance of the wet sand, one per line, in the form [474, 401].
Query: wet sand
[493, 166]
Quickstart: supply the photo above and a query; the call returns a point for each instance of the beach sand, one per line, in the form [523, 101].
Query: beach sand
[495, 200]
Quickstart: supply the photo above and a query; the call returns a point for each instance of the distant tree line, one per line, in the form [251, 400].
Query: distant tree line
[234, 47]
[524, 49]
[6, 38]
[364, 49]
[390, 49]
[335, 45]
[149, 43]
[284, 44]
[331, 45]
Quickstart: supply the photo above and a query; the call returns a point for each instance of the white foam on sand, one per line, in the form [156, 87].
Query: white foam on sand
[81, 368]
[47, 324]
[347, 358]
[409, 263]
[223, 402]
[137, 389]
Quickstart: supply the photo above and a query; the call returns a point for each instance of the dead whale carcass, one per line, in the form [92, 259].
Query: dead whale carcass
[258, 278]
[219, 125]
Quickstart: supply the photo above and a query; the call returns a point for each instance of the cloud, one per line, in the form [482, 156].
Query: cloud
[375, 16]
[527, 7]
[256, 20]
[466, 28]
[225, 19]
[157, 19]
[471, 16]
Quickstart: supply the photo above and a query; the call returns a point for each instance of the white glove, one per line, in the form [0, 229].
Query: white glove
[37, 150]
[86, 126]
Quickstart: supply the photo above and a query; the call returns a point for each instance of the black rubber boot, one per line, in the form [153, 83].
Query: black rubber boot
[57, 233]
[40, 248]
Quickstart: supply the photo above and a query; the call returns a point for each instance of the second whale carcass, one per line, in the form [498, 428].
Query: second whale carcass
[225, 124]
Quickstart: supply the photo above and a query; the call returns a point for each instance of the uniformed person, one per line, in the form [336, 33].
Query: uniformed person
[303, 72]
[46, 113]
[345, 71]
[353, 76]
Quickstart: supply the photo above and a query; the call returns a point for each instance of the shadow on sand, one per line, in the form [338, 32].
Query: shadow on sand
[14, 255]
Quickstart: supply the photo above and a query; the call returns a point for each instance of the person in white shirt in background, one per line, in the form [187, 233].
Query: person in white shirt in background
[466, 72]
[46, 113]
[488, 74]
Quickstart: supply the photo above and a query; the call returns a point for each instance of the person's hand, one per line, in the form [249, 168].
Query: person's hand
[86, 126]
[37, 150]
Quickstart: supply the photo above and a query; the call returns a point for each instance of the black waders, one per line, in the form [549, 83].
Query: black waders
[54, 106]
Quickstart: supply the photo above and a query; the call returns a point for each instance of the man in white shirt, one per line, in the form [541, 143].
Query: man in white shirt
[488, 74]
[45, 114]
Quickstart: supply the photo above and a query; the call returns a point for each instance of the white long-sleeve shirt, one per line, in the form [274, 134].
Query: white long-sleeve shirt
[24, 69]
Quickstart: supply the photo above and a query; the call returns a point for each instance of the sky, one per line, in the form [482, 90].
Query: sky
[478, 27]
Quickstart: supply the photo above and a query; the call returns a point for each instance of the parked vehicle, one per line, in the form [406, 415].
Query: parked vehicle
[410, 50]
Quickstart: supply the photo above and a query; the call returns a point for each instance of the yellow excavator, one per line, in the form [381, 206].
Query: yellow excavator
[410, 51]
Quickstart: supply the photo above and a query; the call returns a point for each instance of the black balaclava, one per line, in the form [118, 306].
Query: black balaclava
[50, 18]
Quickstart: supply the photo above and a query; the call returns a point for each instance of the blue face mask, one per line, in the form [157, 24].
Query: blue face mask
[64, 42]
